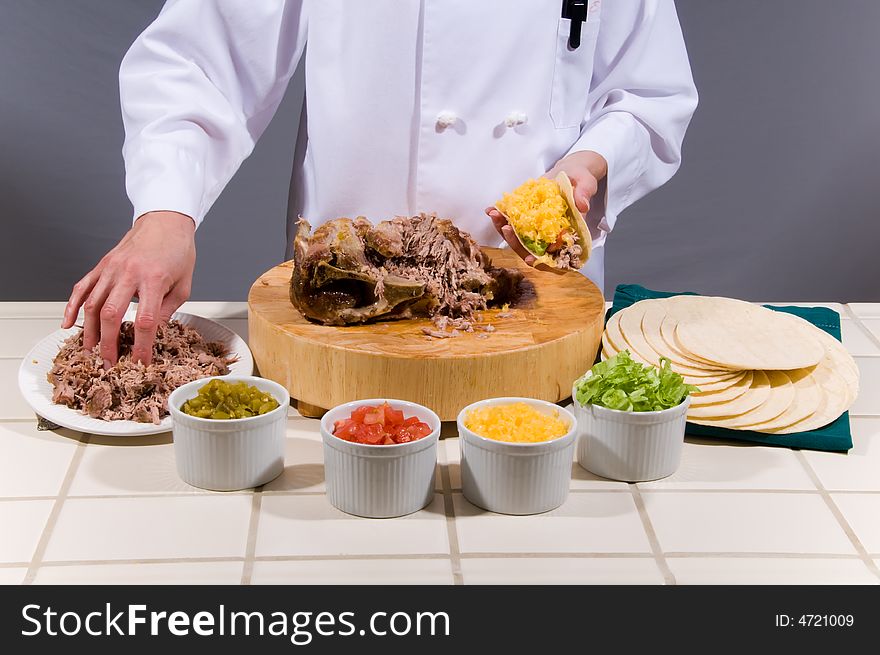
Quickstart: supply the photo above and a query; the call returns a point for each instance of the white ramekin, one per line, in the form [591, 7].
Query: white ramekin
[516, 478]
[630, 446]
[233, 454]
[380, 481]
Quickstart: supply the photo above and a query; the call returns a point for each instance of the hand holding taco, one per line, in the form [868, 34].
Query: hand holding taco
[545, 219]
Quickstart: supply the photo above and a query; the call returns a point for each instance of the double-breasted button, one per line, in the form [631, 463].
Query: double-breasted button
[446, 119]
[515, 118]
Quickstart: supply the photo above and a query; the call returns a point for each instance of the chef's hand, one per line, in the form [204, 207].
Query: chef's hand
[585, 169]
[154, 261]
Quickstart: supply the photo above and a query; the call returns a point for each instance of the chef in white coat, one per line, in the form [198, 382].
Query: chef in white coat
[410, 106]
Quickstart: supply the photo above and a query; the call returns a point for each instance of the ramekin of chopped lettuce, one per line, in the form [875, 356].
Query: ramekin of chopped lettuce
[624, 384]
[631, 418]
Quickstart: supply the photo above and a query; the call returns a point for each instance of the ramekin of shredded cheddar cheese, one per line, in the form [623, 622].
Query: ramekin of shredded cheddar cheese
[517, 422]
[516, 454]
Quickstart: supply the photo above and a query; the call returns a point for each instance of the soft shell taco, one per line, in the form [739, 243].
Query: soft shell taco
[547, 222]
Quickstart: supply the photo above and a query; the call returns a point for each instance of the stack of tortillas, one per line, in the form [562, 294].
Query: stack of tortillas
[757, 369]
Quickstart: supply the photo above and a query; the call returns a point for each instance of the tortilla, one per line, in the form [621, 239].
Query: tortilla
[757, 369]
[652, 319]
[834, 402]
[757, 395]
[739, 335]
[780, 397]
[708, 396]
[578, 223]
[709, 381]
[618, 341]
[631, 327]
[807, 400]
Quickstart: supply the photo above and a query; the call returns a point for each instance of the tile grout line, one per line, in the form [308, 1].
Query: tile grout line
[839, 517]
[864, 328]
[439, 557]
[451, 530]
[684, 554]
[247, 570]
[212, 494]
[55, 512]
[659, 559]
[141, 560]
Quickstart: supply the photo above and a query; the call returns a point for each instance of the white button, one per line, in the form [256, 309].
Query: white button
[515, 118]
[446, 119]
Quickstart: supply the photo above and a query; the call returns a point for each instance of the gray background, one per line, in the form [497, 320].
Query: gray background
[776, 198]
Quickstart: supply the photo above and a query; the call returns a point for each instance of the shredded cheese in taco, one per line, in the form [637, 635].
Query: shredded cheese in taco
[538, 213]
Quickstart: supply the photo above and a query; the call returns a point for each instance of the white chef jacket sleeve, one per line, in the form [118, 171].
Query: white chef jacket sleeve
[640, 103]
[197, 89]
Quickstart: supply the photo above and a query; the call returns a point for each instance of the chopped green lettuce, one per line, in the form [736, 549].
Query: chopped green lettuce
[624, 384]
[538, 247]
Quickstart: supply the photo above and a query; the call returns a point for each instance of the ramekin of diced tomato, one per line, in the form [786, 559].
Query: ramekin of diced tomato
[380, 456]
[380, 424]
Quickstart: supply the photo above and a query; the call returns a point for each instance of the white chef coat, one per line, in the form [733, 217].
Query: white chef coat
[410, 105]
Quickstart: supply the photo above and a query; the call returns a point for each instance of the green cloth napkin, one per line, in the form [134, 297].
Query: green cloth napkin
[835, 436]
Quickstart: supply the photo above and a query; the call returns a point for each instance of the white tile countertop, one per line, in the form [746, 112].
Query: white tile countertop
[78, 508]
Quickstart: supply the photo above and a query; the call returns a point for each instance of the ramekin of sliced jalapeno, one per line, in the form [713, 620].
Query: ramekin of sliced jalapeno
[223, 400]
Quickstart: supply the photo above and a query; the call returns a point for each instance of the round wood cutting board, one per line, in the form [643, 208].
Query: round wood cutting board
[549, 339]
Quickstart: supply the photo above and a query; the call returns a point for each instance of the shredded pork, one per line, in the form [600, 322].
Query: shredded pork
[130, 390]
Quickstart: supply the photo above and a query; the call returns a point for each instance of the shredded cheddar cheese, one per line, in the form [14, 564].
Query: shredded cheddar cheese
[516, 422]
[536, 210]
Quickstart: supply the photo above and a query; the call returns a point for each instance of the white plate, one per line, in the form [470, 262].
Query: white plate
[37, 390]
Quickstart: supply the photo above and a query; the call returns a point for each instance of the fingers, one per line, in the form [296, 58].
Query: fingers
[92, 313]
[178, 295]
[78, 295]
[146, 323]
[111, 314]
[498, 219]
[585, 187]
[509, 236]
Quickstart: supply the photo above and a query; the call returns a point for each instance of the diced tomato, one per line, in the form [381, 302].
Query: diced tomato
[358, 414]
[347, 431]
[373, 434]
[377, 416]
[380, 425]
[420, 430]
[392, 416]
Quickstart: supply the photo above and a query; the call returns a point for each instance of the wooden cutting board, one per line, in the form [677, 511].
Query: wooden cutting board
[549, 339]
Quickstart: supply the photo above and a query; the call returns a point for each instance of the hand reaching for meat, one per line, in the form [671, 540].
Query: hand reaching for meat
[154, 261]
[585, 169]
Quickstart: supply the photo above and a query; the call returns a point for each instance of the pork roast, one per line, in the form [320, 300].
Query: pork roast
[351, 271]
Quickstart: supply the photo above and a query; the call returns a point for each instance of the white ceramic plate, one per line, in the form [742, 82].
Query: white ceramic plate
[37, 390]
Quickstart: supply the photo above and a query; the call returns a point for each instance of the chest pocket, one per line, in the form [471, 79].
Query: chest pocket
[572, 72]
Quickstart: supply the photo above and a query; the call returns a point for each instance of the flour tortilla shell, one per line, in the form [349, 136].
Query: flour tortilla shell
[631, 327]
[739, 335]
[614, 341]
[837, 396]
[809, 397]
[779, 399]
[652, 319]
[578, 224]
[707, 383]
[837, 357]
[723, 394]
[757, 395]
